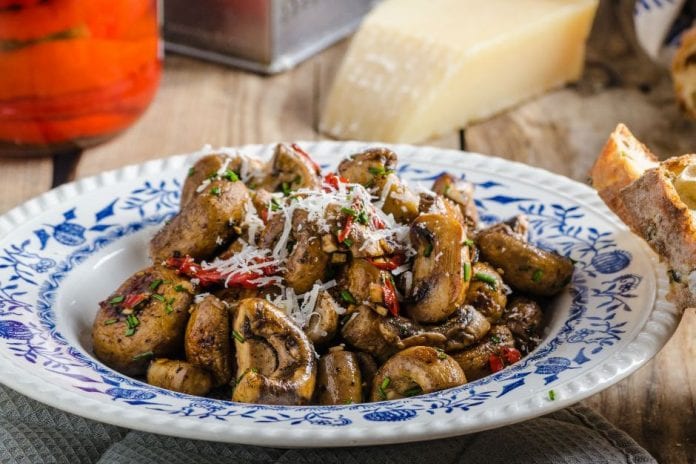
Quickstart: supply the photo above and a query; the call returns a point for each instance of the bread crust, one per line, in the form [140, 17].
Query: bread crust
[622, 160]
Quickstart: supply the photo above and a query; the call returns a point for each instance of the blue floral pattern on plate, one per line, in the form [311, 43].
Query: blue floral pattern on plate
[598, 307]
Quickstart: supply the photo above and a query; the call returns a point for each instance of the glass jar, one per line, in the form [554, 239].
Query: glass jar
[74, 72]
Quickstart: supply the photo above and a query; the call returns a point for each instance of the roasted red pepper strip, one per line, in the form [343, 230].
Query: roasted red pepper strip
[134, 299]
[343, 234]
[511, 355]
[264, 215]
[495, 363]
[389, 292]
[212, 276]
[304, 154]
[332, 180]
[388, 264]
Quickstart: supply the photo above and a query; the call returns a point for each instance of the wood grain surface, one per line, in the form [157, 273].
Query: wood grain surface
[562, 131]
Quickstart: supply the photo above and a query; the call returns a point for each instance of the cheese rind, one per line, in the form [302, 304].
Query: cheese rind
[411, 74]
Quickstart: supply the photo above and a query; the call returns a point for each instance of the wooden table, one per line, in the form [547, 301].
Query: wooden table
[562, 131]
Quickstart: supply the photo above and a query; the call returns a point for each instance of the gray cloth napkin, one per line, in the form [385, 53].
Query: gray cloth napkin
[32, 433]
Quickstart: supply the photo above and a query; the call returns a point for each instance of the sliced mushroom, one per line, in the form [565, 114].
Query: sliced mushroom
[487, 292]
[291, 170]
[323, 323]
[524, 318]
[414, 371]
[368, 168]
[463, 328]
[307, 262]
[438, 286]
[207, 339]
[293, 379]
[355, 280]
[476, 361]
[339, 380]
[133, 326]
[363, 331]
[180, 376]
[368, 369]
[461, 193]
[527, 268]
[216, 166]
[399, 201]
[203, 224]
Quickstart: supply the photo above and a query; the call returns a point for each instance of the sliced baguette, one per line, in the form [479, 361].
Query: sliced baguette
[654, 206]
[623, 160]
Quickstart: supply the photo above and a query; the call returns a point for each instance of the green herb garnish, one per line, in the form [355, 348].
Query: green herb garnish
[215, 191]
[552, 395]
[383, 386]
[349, 211]
[145, 355]
[348, 242]
[487, 278]
[132, 322]
[231, 175]
[155, 284]
[428, 250]
[158, 297]
[362, 217]
[441, 353]
[495, 339]
[537, 276]
[110, 321]
[179, 288]
[285, 187]
[275, 206]
[191, 171]
[117, 299]
[468, 242]
[348, 297]
[413, 391]
[467, 272]
[239, 337]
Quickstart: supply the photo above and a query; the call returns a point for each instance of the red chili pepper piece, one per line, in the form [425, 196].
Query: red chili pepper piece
[495, 363]
[134, 299]
[511, 355]
[264, 215]
[389, 292]
[388, 264]
[377, 223]
[213, 276]
[343, 235]
[304, 154]
[331, 181]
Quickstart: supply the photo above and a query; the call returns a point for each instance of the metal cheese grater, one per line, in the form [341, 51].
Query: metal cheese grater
[266, 36]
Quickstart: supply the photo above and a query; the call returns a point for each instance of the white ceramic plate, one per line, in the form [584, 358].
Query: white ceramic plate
[64, 251]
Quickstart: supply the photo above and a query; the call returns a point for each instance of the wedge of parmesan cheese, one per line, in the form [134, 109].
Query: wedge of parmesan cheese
[417, 69]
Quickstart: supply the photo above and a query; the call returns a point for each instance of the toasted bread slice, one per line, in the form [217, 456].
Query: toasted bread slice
[623, 160]
[659, 207]
[684, 72]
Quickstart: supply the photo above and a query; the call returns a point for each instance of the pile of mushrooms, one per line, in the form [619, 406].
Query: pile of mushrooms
[276, 284]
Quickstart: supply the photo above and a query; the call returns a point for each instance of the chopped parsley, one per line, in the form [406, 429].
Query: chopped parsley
[441, 353]
[468, 242]
[348, 242]
[552, 395]
[495, 339]
[275, 206]
[110, 321]
[348, 297]
[117, 299]
[158, 297]
[285, 187]
[191, 171]
[168, 308]
[379, 170]
[155, 284]
[537, 276]
[239, 337]
[179, 288]
[215, 191]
